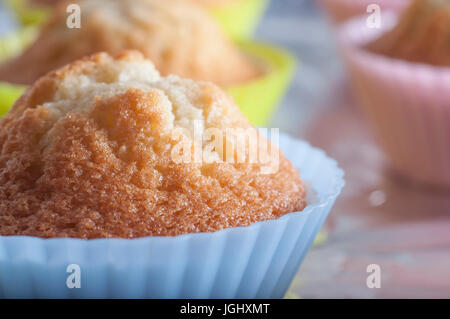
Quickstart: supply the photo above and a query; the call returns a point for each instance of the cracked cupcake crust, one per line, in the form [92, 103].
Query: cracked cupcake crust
[178, 36]
[86, 152]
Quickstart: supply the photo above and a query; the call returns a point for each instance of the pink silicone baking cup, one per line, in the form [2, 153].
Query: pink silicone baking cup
[408, 104]
[341, 10]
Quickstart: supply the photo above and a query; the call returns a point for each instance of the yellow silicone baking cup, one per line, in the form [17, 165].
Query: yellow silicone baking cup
[9, 93]
[14, 43]
[257, 98]
[238, 18]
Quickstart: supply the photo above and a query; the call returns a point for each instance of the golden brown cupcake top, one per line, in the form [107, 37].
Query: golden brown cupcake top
[178, 36]
[422, 34]
[90, 151]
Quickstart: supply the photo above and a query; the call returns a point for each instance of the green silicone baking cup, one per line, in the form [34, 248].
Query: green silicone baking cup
[8, 95]
[10, 46]
[238, 18]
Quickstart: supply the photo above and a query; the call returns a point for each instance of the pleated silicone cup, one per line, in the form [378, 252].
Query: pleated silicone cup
[257, 99]
[341, 10]
[408, 104]
[245, 262]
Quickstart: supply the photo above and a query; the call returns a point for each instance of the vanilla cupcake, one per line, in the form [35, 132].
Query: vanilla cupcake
[178, 36]
[92, 151]
[402, 76]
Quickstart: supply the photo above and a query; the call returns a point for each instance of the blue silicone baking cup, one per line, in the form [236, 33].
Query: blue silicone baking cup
[258, 261]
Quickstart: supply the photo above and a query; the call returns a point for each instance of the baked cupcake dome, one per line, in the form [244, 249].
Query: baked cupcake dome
[87, 152]
[178, 36]
[421, 35]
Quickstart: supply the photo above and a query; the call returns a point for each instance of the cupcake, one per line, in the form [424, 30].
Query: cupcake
[90, 138]
[101, 156]
[238, 18]
[342, 10]
[179, 37]
[402, 76]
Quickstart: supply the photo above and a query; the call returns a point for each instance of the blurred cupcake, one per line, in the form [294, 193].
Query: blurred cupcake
[238, 18]
[403, 79]
[93, 151]
[341, 10]
[178, 36]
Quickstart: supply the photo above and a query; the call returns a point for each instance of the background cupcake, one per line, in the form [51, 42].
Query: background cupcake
[194, 46]
[238, 18]
[403, 79]
[341, 10]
